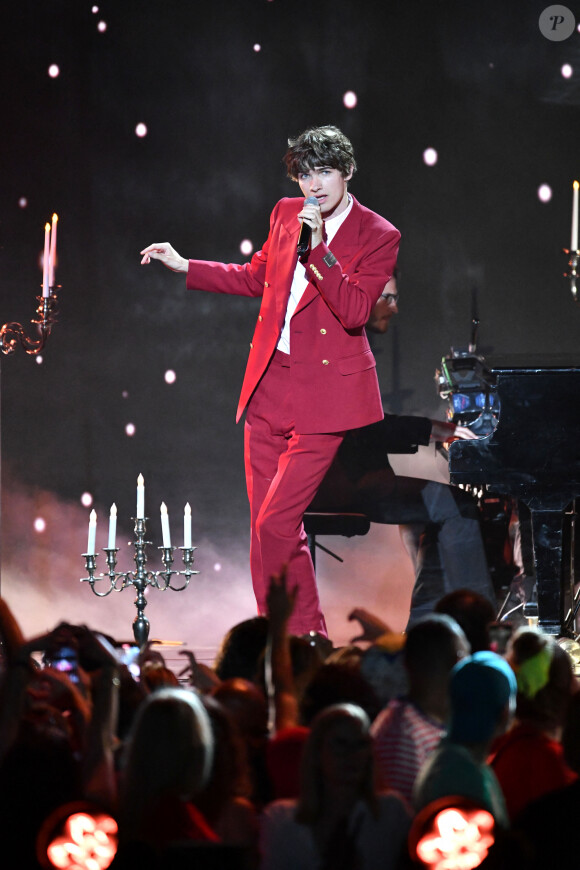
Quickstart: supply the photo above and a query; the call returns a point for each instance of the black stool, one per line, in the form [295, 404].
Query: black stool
[328, 523]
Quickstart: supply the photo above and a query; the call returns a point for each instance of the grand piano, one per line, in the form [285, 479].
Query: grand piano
[526, 413]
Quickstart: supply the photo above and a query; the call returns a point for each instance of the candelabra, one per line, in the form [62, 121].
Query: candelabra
[13, 334]
[140, 578]
[572, 273]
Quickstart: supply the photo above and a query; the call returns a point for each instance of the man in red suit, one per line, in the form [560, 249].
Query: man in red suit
[310, 375]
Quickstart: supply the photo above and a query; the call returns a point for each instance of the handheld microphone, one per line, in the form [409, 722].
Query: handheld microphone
[305, 230]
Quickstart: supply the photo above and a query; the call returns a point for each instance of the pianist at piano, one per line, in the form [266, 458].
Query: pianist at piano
[361, 479]
[526, 414]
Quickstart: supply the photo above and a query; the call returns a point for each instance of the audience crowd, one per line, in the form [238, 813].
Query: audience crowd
[289, 754]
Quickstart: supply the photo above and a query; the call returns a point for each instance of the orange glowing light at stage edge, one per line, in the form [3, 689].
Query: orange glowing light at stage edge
[457, 838]
[574, 240]
[87, 841]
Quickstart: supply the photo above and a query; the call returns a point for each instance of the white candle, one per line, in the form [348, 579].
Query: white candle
[112, 527]
[574, 242]
[92, 533]
[187, 526]
[52, 259]
[165, 526]
[140, 498]
[45, 260]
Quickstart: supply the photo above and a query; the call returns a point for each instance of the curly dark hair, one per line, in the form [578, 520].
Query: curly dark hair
[319, 146]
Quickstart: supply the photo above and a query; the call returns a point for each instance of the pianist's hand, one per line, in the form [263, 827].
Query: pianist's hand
[465, 432]
[442, 430]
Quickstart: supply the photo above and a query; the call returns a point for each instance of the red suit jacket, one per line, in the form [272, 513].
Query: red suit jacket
[333, 370]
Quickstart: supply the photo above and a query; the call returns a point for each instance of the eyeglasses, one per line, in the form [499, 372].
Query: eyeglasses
[392, 298]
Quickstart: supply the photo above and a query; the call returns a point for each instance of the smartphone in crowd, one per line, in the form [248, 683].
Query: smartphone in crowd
[129, 655]
[65, 660]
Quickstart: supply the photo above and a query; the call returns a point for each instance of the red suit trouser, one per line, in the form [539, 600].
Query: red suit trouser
[283, 471]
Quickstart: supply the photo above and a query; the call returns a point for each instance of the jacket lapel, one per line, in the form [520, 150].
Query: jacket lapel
[344, 244]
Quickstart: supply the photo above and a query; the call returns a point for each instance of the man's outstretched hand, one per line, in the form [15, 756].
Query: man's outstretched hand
[166, 254]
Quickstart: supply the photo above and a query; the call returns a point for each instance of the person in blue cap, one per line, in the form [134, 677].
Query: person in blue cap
[482, 692]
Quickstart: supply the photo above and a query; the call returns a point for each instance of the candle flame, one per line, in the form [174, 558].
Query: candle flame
[55, 217]
[187, 508]
[114, 509]
[47, 227]
[575, 185]
[140, 480]
[163, 507]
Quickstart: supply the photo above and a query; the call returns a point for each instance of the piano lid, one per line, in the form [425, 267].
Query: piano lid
[533, 363]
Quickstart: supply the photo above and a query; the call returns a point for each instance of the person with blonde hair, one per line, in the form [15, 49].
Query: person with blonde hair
[340, 820]
[167, 762]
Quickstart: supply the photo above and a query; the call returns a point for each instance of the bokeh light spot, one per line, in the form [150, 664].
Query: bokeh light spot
[246, 247]
[22, 202]
[350, 99]
[39, 525]
[53, 70]
[141, 130]
[544, 193]
[86, 499]
[130, 429]
[566, 71]
[170, 376]
[430, 156]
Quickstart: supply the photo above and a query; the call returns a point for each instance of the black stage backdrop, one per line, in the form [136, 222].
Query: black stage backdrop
[220, 86]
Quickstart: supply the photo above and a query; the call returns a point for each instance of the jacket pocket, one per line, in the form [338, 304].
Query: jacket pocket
[349, 365]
